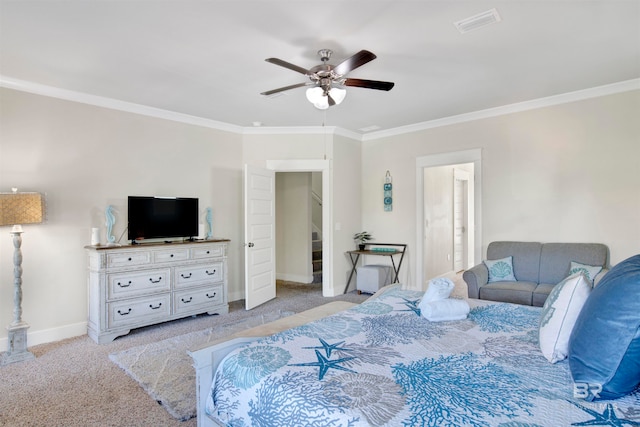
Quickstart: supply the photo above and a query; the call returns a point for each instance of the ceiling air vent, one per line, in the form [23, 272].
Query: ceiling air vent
[478, 21]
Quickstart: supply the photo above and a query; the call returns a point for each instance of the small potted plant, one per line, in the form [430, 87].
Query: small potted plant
[362, 238]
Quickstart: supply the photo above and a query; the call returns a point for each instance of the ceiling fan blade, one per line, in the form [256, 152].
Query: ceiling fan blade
[288, 65]
[354, 62]
[369, 84]
[282, 89]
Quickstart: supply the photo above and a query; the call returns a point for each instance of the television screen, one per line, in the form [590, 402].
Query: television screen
[162, 217]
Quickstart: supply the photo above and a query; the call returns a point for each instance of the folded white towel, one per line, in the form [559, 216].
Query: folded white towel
[438, 289]
[443, 310]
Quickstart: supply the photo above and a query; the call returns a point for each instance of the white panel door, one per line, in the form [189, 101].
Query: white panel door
[259, 231]
[460, 219]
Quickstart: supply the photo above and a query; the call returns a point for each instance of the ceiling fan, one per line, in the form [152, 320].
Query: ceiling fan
[326, 82]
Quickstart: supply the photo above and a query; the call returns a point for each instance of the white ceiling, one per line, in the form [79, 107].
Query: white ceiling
[206, 58]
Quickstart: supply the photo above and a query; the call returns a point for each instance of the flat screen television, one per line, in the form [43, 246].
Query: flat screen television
[162, 217]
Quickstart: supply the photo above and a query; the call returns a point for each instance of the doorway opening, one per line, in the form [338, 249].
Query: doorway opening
[299, 227]
[448, 214]
[319, 170]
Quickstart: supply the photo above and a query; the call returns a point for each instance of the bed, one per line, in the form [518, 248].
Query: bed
[382, 364]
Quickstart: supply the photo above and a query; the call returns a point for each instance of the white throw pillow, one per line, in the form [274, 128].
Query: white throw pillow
[591, 271]
[438, 289]
[559, 315]
[500, 270]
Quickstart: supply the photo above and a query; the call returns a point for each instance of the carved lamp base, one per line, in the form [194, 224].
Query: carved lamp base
[17, 351]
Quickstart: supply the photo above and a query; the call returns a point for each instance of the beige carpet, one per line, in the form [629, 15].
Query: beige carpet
[73, 382]
[165, 370]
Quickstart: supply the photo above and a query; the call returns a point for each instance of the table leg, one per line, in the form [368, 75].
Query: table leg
[353, 270]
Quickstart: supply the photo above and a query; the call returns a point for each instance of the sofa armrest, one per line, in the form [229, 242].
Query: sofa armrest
[476, 277]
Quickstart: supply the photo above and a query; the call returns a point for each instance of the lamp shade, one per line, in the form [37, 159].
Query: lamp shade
[21, 208]
[318, 98]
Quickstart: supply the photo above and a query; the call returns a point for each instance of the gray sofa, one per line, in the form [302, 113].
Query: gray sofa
[538, 267]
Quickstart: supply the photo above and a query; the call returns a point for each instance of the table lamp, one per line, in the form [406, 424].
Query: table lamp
[17, 209]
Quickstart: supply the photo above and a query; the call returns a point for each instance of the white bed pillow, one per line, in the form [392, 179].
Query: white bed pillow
[559, 315]
[438, 289]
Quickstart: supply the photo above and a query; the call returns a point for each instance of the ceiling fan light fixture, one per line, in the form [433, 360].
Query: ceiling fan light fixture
[316, 96]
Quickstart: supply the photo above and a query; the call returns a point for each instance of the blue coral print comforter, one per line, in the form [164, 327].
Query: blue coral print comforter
[382, 364]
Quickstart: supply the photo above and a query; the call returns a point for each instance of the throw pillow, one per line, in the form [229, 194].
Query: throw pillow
[500, 270]
[559, 315]
[591, 271]
[438, 289]
[604, 348]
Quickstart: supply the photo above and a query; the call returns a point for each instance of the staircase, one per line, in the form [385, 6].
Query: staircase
[316, 257]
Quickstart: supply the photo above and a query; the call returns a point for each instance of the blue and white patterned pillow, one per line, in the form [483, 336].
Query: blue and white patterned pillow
[591, 271]
[500, 270]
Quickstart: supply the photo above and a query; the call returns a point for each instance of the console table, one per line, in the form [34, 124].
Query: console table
[379, 249]
[131, 286]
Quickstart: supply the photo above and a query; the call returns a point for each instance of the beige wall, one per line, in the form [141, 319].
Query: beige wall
[563, 173]
[567, 173]
[85, 158]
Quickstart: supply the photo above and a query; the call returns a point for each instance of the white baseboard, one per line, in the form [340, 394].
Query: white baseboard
[50, 335]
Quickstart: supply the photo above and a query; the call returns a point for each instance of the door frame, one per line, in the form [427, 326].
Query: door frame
[447, 159]
[324, 166]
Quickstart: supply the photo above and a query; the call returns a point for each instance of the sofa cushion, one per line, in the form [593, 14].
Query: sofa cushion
[541, 293]
[604, 348]
[500, 270]
[526, 258]
[559, 314]
[556, 258]
[514, 292]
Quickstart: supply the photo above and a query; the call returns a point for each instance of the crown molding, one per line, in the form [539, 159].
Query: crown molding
[84, 98]
[579, 95]
[114, 104]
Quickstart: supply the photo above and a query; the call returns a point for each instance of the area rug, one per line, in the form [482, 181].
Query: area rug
[165, 370]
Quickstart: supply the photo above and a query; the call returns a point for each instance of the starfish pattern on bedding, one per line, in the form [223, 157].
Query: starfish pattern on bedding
[328, 348]
[325, 364]
[412, 305]
[606, 418]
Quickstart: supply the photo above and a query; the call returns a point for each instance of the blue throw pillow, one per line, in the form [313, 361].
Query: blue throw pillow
[500, 270]
[604, 347]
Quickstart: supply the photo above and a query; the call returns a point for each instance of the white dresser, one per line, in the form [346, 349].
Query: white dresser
[138, 285]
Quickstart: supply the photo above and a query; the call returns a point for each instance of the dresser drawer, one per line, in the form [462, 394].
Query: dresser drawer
[207, 252]
[138, 311]
[198, 274]
[126, 285]
[197, 300]
[171, 255]
[125, 259]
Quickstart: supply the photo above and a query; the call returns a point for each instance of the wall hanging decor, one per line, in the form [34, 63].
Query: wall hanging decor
[388, 190]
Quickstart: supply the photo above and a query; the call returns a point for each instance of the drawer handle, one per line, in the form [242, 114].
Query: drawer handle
[186, 301]
[208, 252]
[129, 259]
[124, 314]
[155, 281]
[185, 277]
[155, 308]
[124, 286]
[212, 296]
[212, 273]
[171, 255]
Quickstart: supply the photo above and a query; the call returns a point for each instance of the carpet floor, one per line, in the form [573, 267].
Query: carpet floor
[73, 383]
